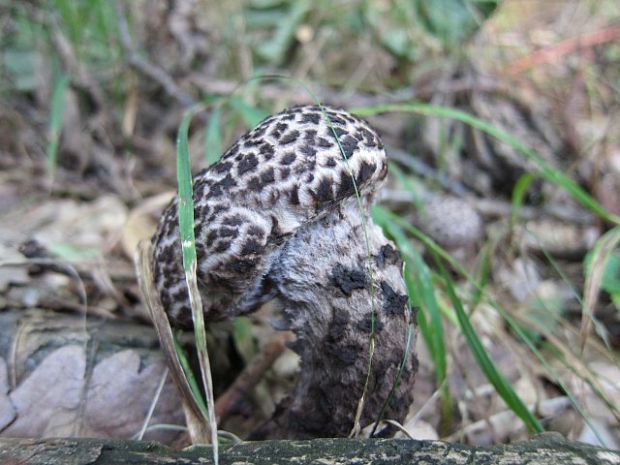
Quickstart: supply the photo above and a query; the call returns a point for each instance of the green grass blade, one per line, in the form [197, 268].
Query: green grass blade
[188, 244]
[518, 196]
[502, 386]
[193, 383]
[55, 124]
[546, 170]
[422, 295]
[484, 275]
[514, 326]
[186, 192]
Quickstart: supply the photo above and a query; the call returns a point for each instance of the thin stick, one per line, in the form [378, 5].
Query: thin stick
[246, 381]
[149, 415]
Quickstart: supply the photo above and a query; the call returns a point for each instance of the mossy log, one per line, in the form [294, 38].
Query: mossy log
[549, 448]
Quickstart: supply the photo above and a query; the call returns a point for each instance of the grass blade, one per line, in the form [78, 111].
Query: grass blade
[188, 243]
[518, 196]
[546, 170]
[502, 386]
[422, 295]
[57, 110]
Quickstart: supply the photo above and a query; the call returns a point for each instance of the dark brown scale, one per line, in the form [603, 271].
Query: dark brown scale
[242, 265]
[339, 132]
[349, 145]
[232, 151]
[229, 232]
[312, 118]
[387, 255]
[213, 235]
[251, 143]
[335, 119]
[167, 254]
[221, 246]
[274, 196]
[251, 247]
[234, 220]
[366, 327]
[260, 131]
[268, 176]
[255, 231]
[248, 163]
[294, 195]
[324, 192]
[394, 303]
[324, 143]
[346, 187]
[366, 171]
[288, 159]
[222, 167]
[308, 150]
[290, 137]
[254, 184]
[222, 186]
[310, 136]
[267, 150]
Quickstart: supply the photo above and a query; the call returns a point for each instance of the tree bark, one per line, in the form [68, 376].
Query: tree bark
[548, 448]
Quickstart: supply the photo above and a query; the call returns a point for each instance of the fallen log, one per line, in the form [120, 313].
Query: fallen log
[547, 448]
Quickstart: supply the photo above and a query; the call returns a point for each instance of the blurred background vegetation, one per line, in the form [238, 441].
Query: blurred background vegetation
[502, 122]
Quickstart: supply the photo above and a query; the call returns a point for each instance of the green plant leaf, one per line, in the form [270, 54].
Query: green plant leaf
[502, 386]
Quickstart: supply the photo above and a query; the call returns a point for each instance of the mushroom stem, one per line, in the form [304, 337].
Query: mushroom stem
[331, 282]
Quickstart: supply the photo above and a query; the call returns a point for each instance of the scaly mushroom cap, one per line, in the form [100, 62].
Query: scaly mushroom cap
[286, 172]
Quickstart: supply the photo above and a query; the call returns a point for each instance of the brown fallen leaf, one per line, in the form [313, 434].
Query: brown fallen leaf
[7, 411]
[47, 402]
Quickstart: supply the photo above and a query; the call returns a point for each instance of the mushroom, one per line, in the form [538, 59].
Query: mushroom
[284, 215]
[451, 222]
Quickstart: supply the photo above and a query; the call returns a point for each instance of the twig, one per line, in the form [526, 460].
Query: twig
[424, 170]
[143, 66]
[497, 208]
[156, 397]
[246, 381]
[548, 408]
[423, 91]
[75, 68]
[566, 47]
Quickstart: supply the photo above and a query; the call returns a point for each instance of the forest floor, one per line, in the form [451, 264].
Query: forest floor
[505, 151]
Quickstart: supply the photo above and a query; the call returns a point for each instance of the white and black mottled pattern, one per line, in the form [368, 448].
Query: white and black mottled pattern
[282, 174]
[277, 217]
